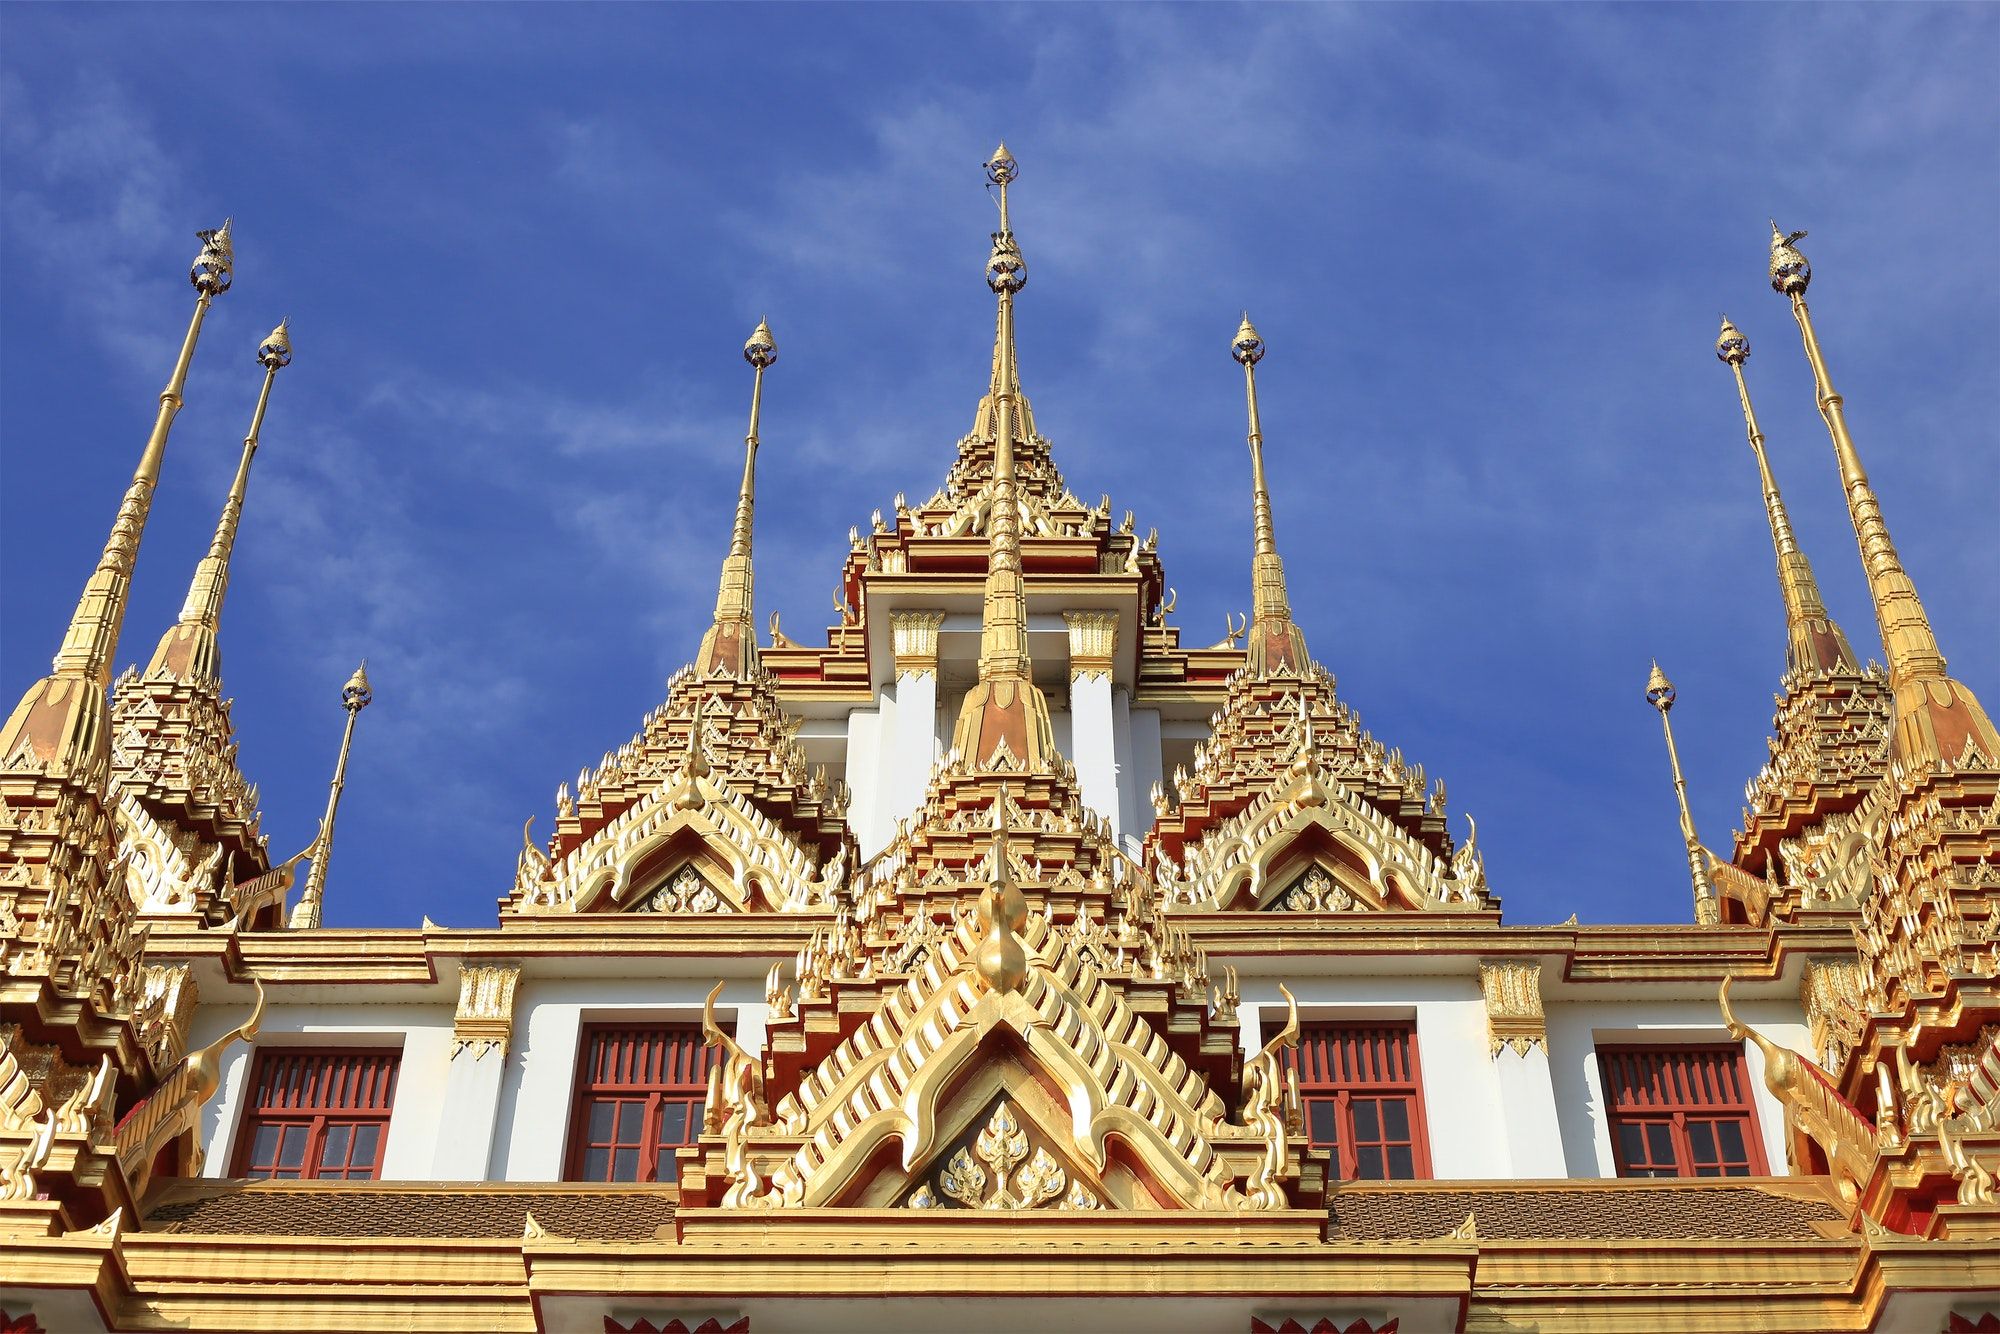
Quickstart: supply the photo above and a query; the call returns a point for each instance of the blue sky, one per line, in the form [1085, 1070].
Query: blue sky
[521, 247]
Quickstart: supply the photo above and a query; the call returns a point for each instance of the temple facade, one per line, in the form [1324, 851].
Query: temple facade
[1000, 961]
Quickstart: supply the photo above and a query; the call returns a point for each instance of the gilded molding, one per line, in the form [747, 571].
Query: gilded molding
[914, 635]
[1514, 1014]
[1093, 642]
[485, 1019]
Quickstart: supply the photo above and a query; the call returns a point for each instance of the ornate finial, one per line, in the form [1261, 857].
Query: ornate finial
[1790, 273]
[1248, 345]
[355, 696]
[1730, 345]
[214, 268]
[1707, 909]
[1006, 271]
[1814, 643]
[760, 349]
[1276, 643]
[189, 649]
[1933, 718]
[275, 352]
[1001, 167]
[1001, 961]
[1659, 690]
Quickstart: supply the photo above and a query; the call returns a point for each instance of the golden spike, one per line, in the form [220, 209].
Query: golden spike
[355, 696]
[730, 646]
[61, 718]
[1816, 643]
[188, 649]
[1935, 717]
[1004, 711]
[1707, 908]
[1276, 643]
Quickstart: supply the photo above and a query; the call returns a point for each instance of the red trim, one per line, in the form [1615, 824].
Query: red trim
[1356, 1080]
[326, 1112]
[1680, 1105]
[741, 1325]
[640, 1089]
[1324, 1325]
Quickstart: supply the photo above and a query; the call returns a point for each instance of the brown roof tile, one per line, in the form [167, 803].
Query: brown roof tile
[1626, 1210]
[621, 1214]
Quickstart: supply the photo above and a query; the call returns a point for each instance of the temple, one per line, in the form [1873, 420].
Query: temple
[1002, 961]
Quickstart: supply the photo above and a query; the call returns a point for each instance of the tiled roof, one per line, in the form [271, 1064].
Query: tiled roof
[622, 1214]
[1632, 1210]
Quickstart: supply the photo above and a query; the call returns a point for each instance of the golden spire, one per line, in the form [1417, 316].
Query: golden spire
[1276, 643]
[188, 649]
[355, 696]
[1004, 715]
[730, 646]
[61, 718]
[1936, 718]
[1707, 909]
[1817, 643]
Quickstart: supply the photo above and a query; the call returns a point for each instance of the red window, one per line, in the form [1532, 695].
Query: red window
[1680, 1112]
[318, 1115]
[639, 1096]
[1363, 1099]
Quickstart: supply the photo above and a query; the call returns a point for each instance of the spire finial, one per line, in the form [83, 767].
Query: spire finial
[1934, 716]
[730, 646]
[1004, 714]
[1707, 909]
[355, 696]
[1003, 910]
[61, 718]
[1814, 643]
[1276, 643]
[189, 649]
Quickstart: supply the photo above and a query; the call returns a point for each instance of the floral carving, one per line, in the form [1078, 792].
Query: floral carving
[1002, 1146]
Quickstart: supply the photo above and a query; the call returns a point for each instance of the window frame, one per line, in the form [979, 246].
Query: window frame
[318, 1117]
[1675, 1112]
[1344, 1153]
[654, 1097]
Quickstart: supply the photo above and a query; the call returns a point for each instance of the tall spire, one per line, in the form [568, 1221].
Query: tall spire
[61, 717]
[1707, 907]
[355, 696]
[730, 646]
[188, 649]
[1816, 643]
[1935, 717]
[1276, 643]
[1004, 714]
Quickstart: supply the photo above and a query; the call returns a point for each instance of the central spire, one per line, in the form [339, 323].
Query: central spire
[730, 646]
[1004, 720]
[188, 649]
[1817, 644]
[1276, 644]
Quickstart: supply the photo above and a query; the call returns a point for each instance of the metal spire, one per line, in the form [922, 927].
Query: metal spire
[188, 649]
[1935, 717]
[355, 696]
[1276, 643]
[1004, 715]
[61, 718]
[1816, 644]
[730, 646]
[1707, 907]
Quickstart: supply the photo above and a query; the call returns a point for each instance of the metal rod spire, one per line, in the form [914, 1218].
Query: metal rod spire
[1707, 907]
[355, 696]
[1276, 643]
[188, 649]
[1936, 718]
[61, 718]
[1816, 644]
[730, 646]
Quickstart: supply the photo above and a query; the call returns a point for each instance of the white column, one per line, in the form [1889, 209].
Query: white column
[910, 749]
[1143, 769]
[1093, 643]
[480, 1036]
[1517, 1032]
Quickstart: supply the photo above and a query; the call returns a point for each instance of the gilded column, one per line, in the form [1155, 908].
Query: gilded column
[1935, 718]
[480, 1035]
[1093, 717]
[1707, 908]
[1517, 1030]
[913, 730]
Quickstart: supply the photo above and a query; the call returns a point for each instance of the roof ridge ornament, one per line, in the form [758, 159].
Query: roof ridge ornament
[1707, 908]
[730, 645]
[1276, 642]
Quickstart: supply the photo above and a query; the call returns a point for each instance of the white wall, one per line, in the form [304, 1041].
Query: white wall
[536, 1089]
[1575, 1029]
